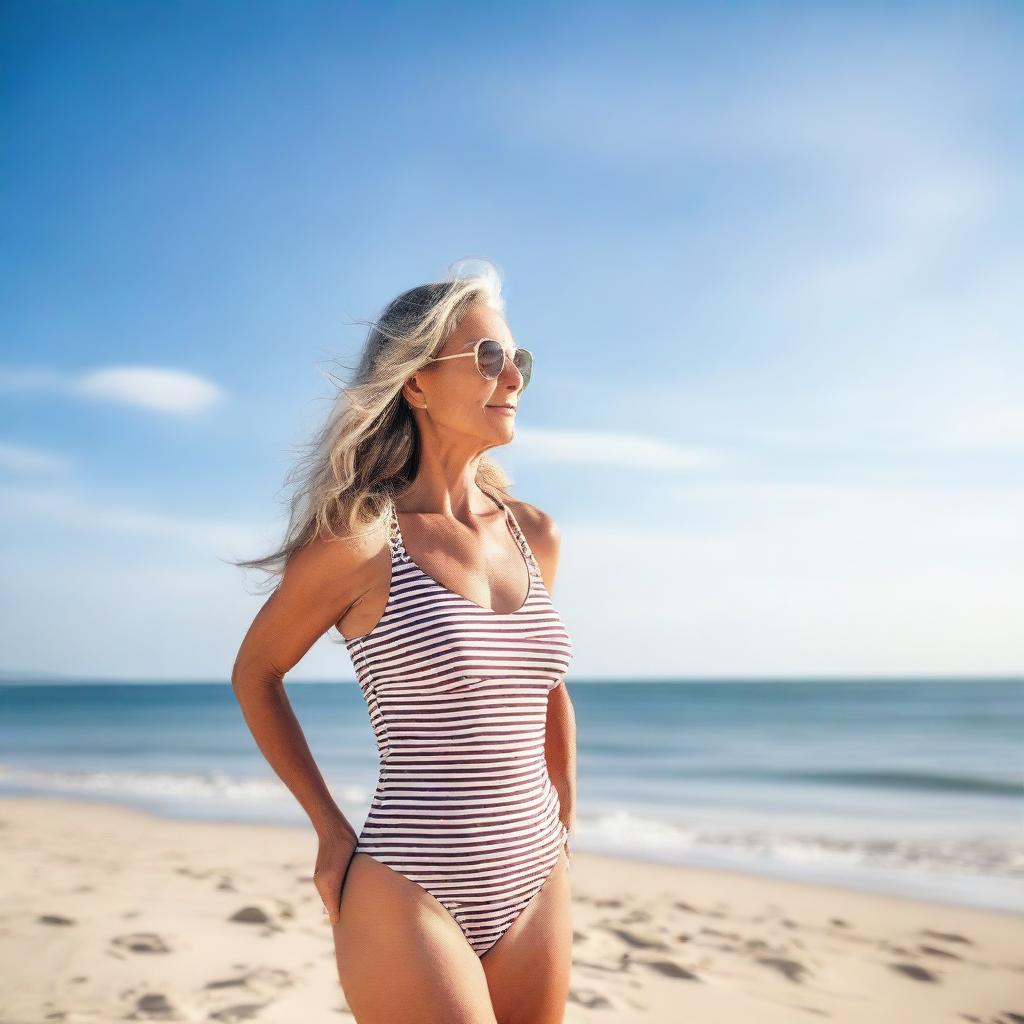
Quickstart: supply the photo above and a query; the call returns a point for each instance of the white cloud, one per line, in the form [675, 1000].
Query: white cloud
[74, 511]
[151, 387]
[997, 425]
[802, 578]
[24, 459]
[616, 448]
[952, 404]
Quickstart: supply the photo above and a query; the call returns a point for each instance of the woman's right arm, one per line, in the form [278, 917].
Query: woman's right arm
[320, 582]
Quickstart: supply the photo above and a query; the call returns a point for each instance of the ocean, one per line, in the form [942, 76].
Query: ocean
[911, 787]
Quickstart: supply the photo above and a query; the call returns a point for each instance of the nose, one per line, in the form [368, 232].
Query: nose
[511, 373]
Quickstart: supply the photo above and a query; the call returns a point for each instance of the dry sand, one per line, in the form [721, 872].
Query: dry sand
[110, 914]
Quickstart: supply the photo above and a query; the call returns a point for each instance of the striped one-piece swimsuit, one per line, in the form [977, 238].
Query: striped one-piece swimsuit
[457, 696]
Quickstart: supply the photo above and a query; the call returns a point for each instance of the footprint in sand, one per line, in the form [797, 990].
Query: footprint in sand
[225, 982]
[253, 915]
[713, 933]
[636, 917]
[946, 936]
[793, 970]
[260, 981]
[668, 968]
[244, 1011]
[193, 873]
[264, 979]
[915, 971]
[153, 1006]
[590, 965]
[589, 999]
[638, 941]
[935, 951]
[141, 942]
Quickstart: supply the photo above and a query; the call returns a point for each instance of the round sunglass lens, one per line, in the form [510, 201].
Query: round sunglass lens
[491, 357]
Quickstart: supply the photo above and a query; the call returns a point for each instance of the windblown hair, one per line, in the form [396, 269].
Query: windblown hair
[367, 451]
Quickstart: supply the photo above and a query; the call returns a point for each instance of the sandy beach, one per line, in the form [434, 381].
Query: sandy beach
[108, 913]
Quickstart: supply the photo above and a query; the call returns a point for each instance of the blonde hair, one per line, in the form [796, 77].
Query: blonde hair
[367, 451]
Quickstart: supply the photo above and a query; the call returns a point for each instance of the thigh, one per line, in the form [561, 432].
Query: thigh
[401, 956]
[528, 968]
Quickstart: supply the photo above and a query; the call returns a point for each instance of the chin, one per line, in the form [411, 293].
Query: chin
[501, 437]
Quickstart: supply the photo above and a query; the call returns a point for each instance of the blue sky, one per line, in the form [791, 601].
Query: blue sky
[768, 257]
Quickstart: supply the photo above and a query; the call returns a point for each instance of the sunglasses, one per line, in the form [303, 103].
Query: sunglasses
[490, 359]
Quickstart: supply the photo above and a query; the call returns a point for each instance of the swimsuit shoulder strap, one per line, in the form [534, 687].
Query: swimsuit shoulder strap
[518, 533]
[395, 535]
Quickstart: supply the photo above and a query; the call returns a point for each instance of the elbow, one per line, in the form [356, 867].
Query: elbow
[239, 674]
[245, 675]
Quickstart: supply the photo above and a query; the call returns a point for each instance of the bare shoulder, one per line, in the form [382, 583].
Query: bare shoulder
[542, 534]
[338, 564]
[320, 582]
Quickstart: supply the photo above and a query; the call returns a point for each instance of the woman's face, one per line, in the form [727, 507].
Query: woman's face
[456, 394]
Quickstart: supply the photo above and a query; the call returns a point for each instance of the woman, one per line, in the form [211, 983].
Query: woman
[455, 893]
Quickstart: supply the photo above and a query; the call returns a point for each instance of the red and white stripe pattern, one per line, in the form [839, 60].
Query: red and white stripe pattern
[457, 696]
